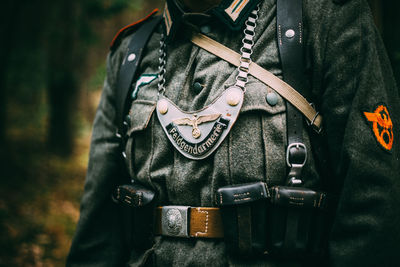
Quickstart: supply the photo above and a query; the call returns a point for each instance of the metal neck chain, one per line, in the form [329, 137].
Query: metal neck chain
[161, 67]
[245, 58]
[247, 49]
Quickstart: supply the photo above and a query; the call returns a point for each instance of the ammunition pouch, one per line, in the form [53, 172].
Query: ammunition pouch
[296, 222]
[134, 196]
[285, 222]
[244, 216]
[140, 200]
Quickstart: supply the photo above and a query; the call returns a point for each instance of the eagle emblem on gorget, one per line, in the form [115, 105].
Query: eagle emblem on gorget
[195, 121]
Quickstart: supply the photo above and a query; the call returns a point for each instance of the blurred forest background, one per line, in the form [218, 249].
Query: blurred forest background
[52, 66]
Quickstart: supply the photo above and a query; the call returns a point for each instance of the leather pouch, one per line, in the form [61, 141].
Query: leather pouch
[139, 200]
[133, 195]
[296, 221]
[244, 216]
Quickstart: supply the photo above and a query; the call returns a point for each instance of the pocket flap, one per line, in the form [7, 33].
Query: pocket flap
[298, 197]
[240, 194]
[140, 113]
[133, 195]
[255, 98]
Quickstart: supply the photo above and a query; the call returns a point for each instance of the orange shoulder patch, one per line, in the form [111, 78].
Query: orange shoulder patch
[382, 126]
[121, 32]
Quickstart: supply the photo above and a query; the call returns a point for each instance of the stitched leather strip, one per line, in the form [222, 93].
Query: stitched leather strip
[289, 18]
[281, 87]
[203, 222]
[290, 44]
[206, 222]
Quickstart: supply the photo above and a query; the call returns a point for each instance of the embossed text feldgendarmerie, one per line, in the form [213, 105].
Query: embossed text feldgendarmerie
[201, 148]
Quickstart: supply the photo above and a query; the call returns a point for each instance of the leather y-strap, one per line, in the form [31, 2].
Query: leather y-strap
[281, 87]
[290, 43]
[129, 67]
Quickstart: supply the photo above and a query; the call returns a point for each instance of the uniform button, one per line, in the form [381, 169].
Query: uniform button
[128, 119]
[197, 87]
[126, 123]
[162, 106]
[233, 98]
[272, 99]
[205, 29]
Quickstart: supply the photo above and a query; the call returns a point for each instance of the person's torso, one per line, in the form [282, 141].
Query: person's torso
[254, 150]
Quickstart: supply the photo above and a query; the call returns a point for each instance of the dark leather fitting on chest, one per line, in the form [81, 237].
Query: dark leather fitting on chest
[240, 194]
[137, 201]
[290, 45]
[133, 195]
[298, 197]
[297, 222]
[244, 216]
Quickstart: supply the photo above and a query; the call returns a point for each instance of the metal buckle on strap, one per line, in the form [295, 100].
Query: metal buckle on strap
[296, 168]
[297, 146]
[175, 221]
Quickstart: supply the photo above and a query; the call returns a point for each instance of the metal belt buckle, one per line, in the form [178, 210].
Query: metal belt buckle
[175, 220]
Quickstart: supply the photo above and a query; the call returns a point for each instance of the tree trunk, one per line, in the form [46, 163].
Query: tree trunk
[6, 29]
[62, 80]
[62, 89]
[2, 105]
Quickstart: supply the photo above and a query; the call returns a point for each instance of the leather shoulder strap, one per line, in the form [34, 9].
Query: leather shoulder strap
[290, 43]
[130, 64]
[268, 78]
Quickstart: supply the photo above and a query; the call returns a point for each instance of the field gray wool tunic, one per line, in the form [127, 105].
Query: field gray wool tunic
[348, 73]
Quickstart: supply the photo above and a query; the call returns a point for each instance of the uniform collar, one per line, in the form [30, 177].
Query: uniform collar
[232, 14]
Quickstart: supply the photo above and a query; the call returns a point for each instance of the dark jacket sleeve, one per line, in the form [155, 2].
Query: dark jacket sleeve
[357, 78]
[99, 239]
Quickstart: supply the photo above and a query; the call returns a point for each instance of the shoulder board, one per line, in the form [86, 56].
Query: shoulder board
[128, 29]
[340, 1]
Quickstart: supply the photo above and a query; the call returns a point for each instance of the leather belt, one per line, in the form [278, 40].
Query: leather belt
[185, 221]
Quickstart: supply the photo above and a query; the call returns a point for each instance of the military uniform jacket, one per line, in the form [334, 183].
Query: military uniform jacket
[348, 74]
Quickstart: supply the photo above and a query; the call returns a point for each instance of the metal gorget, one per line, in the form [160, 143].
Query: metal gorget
[197, 134]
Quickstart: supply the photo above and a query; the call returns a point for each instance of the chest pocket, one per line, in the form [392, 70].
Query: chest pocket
[257, 141]
[140, 117]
